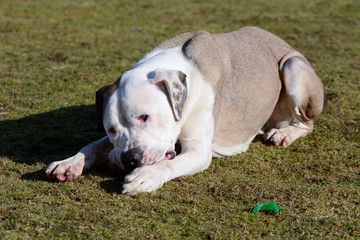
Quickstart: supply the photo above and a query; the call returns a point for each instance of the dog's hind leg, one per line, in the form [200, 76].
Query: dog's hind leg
[300, 101]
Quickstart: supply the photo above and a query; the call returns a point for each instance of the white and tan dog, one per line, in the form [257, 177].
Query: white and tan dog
[211, 92]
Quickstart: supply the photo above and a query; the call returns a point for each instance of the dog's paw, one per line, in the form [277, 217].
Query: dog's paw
[278, 137]
[67, 169]
[142, 179]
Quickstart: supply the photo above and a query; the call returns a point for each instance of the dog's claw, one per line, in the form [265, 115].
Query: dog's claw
[67, 169]
[277, 138]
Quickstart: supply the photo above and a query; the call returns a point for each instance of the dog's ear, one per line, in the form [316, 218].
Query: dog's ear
[100, 107]
[102, 97]
[173, 83]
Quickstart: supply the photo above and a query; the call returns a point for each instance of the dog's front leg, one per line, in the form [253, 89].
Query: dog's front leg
[151, 178]
[195, 157]
[72, 167]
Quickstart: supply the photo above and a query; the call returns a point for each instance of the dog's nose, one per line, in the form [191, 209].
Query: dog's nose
[132, 157]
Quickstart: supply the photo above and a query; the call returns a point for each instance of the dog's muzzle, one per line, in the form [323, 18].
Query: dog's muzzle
[137, 157]
[134, 158]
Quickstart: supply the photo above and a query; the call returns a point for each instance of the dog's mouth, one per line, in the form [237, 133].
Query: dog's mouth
[170, 155]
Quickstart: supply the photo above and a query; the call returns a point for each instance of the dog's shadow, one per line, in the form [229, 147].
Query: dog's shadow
[48, 137]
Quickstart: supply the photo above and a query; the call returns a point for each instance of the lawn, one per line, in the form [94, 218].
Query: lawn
[54, 55]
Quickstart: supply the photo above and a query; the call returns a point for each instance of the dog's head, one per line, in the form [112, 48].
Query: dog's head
[141, 114]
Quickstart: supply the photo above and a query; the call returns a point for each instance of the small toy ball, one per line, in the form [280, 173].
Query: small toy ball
[268, 207]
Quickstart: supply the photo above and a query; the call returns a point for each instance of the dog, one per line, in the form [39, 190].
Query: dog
[212, 93]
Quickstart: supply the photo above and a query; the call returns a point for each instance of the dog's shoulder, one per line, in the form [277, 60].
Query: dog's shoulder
[176, 41]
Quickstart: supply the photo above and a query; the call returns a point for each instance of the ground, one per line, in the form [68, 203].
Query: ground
[55, 54]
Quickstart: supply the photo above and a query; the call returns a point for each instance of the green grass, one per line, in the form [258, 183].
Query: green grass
[55, 54]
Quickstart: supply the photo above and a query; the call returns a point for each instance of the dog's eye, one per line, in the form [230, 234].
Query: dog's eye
[143, 118]
[112, 130]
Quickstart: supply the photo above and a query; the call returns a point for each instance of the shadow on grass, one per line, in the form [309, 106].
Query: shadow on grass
[48, 137]
[112, 185]
[260, 138]
[38, 175]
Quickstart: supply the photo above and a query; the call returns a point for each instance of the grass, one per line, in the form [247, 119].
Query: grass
[54, 55]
